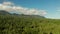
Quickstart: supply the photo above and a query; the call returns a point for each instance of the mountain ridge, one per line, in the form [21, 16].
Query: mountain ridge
[3, 12]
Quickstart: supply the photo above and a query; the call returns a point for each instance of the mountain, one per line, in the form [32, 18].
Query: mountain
[32, 16]
[3, 12]
[27, 24]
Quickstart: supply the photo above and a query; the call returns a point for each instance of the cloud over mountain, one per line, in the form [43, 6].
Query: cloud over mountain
[9, 6]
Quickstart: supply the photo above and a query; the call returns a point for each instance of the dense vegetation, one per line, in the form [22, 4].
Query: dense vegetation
[13, 24]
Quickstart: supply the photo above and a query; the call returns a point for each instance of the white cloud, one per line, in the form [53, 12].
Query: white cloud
[9, 6]
[8, 3]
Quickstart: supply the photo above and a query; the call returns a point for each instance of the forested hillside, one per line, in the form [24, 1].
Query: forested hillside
[28, 24]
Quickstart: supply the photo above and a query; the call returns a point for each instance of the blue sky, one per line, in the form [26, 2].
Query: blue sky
[51, 6]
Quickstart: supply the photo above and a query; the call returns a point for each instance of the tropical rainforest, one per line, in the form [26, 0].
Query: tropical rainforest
[27, 24]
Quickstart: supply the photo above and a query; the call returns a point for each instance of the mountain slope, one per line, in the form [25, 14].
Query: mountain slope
[2, 12]
[28, 25]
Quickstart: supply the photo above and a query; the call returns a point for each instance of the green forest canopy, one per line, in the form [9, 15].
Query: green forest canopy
[23, 24]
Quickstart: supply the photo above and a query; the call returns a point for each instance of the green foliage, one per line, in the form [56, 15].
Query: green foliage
[28, 25]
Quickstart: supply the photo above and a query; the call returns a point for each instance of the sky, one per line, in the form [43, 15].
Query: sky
[47, 8]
